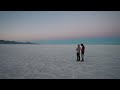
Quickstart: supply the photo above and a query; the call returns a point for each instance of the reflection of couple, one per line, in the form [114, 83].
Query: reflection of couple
[82, 49]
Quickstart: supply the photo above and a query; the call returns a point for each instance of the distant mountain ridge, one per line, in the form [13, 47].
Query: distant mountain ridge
[13, 42]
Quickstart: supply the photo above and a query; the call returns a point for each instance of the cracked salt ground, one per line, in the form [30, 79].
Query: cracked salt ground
[59, 62]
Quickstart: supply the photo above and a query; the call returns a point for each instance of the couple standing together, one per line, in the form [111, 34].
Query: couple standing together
[82, 49]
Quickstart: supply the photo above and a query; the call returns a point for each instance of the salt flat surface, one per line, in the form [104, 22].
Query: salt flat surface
[59, 62]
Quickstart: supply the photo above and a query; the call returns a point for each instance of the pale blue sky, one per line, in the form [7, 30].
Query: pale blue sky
[56, 25]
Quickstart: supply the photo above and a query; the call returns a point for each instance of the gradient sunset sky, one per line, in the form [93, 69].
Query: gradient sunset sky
[60, 26]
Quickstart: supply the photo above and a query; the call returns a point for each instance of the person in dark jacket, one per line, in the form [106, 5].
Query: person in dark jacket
[82, 51]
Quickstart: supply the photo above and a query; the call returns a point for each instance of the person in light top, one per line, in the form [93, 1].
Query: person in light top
[78, 52]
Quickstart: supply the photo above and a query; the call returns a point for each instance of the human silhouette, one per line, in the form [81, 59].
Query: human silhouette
[82, 51]
[78, 52]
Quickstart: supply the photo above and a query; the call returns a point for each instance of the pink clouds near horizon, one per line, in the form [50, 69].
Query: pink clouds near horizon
[58, 25]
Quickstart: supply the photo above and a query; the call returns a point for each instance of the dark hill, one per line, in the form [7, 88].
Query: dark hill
[13, 42]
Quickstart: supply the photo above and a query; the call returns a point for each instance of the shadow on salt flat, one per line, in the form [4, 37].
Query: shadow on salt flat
[40, 76]
[3, 76]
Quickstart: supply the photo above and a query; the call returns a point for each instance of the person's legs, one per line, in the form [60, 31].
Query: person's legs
[82, 55]
[79, 56]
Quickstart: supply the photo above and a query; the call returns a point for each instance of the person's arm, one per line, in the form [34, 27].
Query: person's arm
[80, 48]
